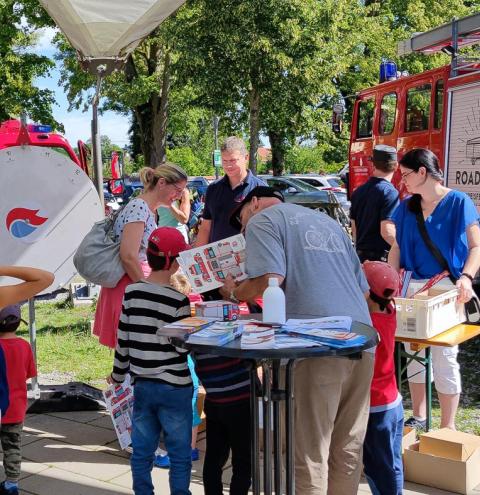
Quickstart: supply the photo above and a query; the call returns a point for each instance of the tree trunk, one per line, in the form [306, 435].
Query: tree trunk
[277, 142]
[254, 127]
[152, 116]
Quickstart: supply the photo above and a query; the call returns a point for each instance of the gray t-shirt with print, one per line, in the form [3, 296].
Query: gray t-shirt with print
[323, 275]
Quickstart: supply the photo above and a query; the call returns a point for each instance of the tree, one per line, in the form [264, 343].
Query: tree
[19, 66]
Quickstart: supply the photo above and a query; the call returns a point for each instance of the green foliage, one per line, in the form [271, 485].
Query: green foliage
[19, 67]
[189, 161]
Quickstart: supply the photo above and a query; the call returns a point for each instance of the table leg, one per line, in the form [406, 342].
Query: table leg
[254, 428]
[398, 357]
[267, 426]
[290, 427]
[277, 396]
[428, 385]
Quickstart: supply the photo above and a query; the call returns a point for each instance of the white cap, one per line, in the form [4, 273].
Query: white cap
[273, 282]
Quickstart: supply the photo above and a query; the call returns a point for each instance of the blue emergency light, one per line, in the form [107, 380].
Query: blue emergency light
[388, 70]
[42, 128]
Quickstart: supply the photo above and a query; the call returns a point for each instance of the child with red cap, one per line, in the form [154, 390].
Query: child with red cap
[163, 385]
[382, 449]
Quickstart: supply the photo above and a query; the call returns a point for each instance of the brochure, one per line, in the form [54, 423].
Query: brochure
[328, 322]
[119, 403]
[257, 337]
[219, 333]
[207, 266]
[333, 338]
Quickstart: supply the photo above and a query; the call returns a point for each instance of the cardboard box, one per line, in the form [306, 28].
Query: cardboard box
[225, 310]
[449, 444]
[446, 474]
[409, 437]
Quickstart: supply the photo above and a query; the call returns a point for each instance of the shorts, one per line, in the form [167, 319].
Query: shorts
[445, 370]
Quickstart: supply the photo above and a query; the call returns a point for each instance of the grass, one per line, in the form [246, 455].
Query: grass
[65, 345]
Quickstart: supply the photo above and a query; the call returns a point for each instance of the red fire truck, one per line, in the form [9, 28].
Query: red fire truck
[438, 109]
[13, 133]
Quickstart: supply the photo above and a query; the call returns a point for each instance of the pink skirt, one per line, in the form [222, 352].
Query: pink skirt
[109, 308]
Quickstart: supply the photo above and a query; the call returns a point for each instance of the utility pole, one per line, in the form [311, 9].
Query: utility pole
[217, 157]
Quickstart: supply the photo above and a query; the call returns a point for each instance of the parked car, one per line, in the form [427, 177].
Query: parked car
[322, 182]
[198, 183]
[301, 193]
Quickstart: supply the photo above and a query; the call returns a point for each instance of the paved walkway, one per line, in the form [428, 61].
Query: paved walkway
[77, 453]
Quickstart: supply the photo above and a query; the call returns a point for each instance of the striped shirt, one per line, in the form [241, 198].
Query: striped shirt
[140, 350]
[226, 380]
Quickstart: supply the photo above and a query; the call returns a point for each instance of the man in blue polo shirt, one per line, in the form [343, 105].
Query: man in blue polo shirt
[226, 193]
[372, 208]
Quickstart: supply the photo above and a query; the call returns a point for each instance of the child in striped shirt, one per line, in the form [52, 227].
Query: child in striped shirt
[163, 385]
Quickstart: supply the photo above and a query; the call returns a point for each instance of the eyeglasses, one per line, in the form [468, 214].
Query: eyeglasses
[404, 176]
[178, 188]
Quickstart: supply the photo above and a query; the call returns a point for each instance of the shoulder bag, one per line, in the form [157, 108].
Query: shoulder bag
[97, 259]
[472, 307]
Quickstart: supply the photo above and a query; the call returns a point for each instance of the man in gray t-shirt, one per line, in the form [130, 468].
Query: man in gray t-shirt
[315, 263]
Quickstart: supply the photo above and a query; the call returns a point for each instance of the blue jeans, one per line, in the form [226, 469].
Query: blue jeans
[382, 452]
[161, 407]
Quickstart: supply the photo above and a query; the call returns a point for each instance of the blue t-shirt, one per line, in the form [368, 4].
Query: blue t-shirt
[446, 227]
[373, 202]
[221, 199]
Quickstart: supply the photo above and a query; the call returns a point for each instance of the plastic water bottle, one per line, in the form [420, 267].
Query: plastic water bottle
[273, 303]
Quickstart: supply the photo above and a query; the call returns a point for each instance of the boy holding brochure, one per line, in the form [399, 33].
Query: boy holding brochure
[163, 384]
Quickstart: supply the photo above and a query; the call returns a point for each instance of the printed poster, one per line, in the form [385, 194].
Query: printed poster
[207, 266]
[119, 403]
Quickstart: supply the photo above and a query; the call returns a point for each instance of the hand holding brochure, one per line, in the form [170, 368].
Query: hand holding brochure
[207, 266]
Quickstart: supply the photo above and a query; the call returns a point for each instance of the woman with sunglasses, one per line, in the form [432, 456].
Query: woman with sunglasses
[452, 223]
[133, 226]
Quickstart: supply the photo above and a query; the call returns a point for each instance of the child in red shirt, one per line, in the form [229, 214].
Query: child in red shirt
[20, 366]
[382, 449]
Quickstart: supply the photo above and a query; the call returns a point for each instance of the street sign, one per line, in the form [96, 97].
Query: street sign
[217, 158]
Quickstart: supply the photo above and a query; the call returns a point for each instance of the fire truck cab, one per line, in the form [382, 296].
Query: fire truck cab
[14, 133]
[438, 109]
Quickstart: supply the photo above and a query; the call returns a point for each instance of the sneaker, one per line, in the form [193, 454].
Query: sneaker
[417, 424]
[8, 491]
[161, 461]
[195, 455]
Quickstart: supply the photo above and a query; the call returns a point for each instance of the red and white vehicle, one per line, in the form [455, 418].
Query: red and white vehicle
[438, 109]
[12, 133]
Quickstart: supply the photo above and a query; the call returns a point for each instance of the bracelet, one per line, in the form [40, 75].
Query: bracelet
[467, 275]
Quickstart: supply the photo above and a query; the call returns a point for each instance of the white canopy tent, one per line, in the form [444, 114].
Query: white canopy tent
[108, 29]
[104, 33]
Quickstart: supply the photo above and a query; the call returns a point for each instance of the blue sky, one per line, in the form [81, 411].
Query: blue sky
[77, 123]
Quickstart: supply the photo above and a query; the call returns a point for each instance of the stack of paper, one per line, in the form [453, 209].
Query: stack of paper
[326, 323]
[257, 337]
[333, 338]
[186, 326]
[219, 333]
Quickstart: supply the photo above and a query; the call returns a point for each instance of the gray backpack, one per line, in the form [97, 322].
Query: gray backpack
[97, 258]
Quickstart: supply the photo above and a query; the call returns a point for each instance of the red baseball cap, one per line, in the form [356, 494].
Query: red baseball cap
[382, 278]
[167, 242]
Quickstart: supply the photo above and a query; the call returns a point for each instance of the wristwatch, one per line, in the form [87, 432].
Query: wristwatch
[232, 297]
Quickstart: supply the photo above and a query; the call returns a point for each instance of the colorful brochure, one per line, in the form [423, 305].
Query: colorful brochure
[207, 266]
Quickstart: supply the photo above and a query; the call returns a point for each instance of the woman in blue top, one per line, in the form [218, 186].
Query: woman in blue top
[451, 220]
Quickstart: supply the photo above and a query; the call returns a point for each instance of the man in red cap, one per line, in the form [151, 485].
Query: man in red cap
[163, 384]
